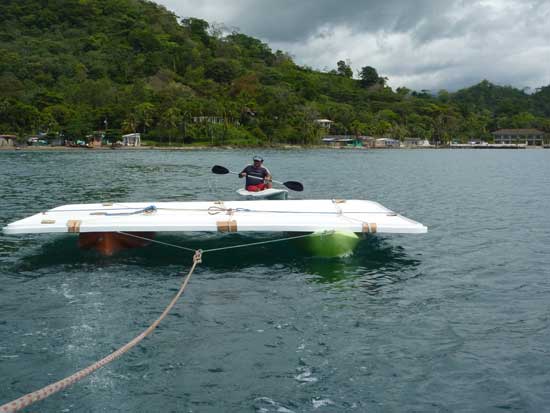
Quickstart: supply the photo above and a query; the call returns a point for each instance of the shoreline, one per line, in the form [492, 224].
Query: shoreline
[199, 148]
[149, 148]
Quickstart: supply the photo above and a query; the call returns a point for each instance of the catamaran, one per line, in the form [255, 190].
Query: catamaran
[335, 224]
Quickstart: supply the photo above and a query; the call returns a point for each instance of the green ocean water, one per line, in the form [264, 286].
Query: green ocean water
[453, 320]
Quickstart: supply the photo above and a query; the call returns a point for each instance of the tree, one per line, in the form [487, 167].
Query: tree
[358, 128]
[170, 120]
[344, 69]
[382, 127]
[223, 70]
[18, 116]
[144, 115]
[403, 91]
[197, 28]
[368, 76]
[251, 47]
[66, 65]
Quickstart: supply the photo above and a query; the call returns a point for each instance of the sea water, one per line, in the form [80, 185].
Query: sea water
[453, 320]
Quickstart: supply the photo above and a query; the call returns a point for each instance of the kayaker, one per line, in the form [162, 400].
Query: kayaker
[258, 176]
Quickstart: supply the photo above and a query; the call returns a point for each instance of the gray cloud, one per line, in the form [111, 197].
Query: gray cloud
[421, 44]
[290, 20]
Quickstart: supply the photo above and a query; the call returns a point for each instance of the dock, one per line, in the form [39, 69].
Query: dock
[486, 145]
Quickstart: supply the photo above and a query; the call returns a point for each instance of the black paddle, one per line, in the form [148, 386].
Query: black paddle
[293, 185]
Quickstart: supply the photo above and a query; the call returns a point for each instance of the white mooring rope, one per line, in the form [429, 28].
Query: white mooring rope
[250, 244]
[47, 391]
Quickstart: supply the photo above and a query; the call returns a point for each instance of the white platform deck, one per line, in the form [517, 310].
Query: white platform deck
[226, 216]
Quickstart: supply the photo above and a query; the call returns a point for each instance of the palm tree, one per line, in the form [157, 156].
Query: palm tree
[170, 120]
[144, 114]
[130, 123]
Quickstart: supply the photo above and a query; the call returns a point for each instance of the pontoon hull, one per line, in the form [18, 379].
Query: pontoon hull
[329, 244]
[109, 243]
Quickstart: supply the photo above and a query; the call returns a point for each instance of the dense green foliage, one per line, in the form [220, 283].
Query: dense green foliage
[78, 66]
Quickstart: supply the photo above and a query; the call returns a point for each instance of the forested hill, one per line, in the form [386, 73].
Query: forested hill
[78, 66]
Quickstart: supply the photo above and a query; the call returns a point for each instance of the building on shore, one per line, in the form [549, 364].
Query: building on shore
[486, 145]
[7, 140]
[94, 140]
[324, 123]
[38, 140]
[386, 143]
[416, 143]
[349, 141]
[530, 137]
[131, 139]
[216, 120]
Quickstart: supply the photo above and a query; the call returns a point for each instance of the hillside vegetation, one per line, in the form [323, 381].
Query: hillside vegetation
[78, 66]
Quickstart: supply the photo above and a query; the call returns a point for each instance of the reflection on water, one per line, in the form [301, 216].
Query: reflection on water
[375, 262]
[373, 253]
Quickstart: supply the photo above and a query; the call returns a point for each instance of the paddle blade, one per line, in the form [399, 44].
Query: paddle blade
[220, 170]
[295, 186]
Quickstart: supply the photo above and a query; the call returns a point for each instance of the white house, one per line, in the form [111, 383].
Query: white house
[324, 123]
[131, 139]
[386, 143]
[416, 143]
[7, 140]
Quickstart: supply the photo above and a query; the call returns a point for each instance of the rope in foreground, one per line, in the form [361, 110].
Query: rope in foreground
[47, 391]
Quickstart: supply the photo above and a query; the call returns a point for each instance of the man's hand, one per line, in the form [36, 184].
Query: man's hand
[242, 174]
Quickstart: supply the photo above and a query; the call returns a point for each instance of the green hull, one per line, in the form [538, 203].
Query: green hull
[329, 243]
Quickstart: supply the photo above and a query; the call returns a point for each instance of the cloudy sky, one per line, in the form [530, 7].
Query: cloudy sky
[420, 44]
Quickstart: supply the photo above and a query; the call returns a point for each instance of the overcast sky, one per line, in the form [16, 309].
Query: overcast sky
[420, 44]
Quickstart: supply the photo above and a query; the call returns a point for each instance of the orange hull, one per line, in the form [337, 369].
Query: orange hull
[109, 243]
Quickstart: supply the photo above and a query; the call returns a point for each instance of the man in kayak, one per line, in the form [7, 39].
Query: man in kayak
[258, 177]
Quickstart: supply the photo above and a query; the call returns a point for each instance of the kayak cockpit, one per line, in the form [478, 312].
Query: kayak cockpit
[270, 193]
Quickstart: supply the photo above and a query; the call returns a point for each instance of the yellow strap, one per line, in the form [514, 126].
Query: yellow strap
[73, 225]
[227, 226]
[369, 227]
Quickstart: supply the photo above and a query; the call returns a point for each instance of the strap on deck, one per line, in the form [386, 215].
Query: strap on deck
[369, 227]
[73, 225]
[227, 226]
[335, 202]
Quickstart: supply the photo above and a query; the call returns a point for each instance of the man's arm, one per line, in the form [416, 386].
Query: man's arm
[243, 173]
